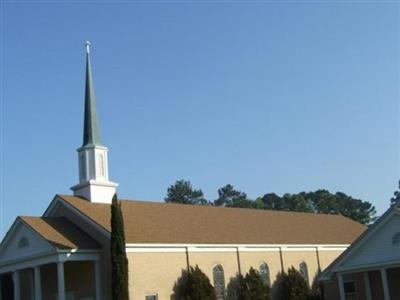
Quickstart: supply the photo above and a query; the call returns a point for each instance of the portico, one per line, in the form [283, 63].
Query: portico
[61, 279]
[369, 284]
[370, 268]
[27, 261]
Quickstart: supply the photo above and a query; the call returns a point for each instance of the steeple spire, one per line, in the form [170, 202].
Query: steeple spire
[91, 134]
[94, 184]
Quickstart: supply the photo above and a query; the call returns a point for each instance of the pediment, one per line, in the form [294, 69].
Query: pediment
[383, 246]
[22, 242]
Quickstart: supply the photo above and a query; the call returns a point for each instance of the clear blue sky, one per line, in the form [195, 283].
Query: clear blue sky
[268, 97]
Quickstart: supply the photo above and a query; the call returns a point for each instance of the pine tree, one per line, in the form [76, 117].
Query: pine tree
[396, 196]
[119, 260]
[183, 192]
[193, 285]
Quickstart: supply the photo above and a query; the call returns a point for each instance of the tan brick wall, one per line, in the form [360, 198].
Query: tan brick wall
[327, 257]
[255, 259]
[310, 258]
[208, 260]
[154, 272]
[157, 272]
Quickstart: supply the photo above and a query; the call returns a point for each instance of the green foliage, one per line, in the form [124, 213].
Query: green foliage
[258, 203]
[250, 287]
[119, 260]
[235, 288]
[193, 285]
[183, 192]
[317, 289]
[229, 197]
[396, 196]
[292, 286]
[296, 202]
[322, 201]
[277, 286]
[255, 287]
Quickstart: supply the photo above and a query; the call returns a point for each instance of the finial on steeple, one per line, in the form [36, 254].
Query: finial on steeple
[87, 45]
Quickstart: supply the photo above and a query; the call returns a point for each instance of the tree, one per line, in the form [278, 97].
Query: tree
[229, 197]
[258, 203]
[193, 285]
[317, 289]
[296, 202]
[272, 201]
[256, 289]
[292, 286]
[235, 288]
[277, 286]
[250, 287]
[355, 209]
[119, 260]
[183, 192]
[322, 201]
[396, 196]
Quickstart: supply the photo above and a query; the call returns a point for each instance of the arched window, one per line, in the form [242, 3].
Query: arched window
[264, 272]
[396, 239]
[219, 281]
[304, 271]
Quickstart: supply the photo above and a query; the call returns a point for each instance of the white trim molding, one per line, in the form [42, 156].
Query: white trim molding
[50, 257]
[151, 248]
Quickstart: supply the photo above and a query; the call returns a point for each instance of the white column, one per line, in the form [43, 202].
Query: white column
[341, 286]
[367, 286]
[97, 277]
[38, 283]
[17, 292]
[60, 281]
[385, 285]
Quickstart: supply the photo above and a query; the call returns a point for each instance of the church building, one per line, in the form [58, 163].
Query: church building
[65, 253]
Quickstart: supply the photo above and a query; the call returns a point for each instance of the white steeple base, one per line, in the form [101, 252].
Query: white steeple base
[96, 191]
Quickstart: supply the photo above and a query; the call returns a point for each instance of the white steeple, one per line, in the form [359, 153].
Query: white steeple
[93, 185]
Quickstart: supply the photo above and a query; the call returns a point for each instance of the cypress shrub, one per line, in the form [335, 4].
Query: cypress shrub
[119, 261]
[193, 285]
[317, 289]
[250, 287]
[236, 288]
[256, 289]
[292, 286]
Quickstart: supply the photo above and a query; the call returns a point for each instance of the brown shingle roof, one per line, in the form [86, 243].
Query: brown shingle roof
[61, 233]
[154, 222]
